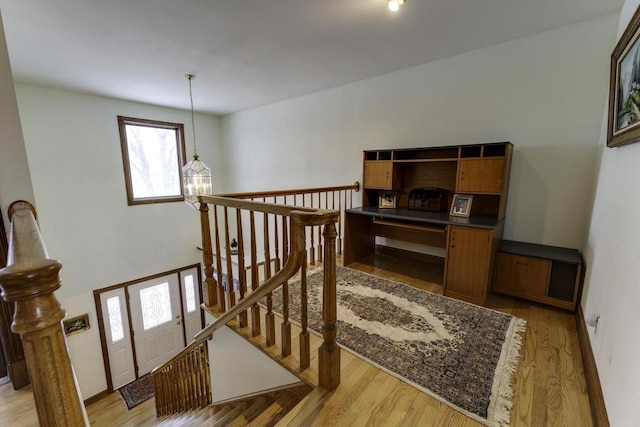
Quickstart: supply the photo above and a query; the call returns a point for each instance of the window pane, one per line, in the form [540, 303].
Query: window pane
[190, 292]
[153, 157]
[156, 305]
[154, 162]
[115, 319]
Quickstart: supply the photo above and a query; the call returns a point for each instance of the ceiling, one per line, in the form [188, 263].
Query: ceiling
[248, 53]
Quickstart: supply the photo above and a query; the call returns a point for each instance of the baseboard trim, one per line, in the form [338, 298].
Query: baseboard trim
[594, 389]
[96, 397]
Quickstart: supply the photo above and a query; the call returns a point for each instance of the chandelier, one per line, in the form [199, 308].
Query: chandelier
[196, 176]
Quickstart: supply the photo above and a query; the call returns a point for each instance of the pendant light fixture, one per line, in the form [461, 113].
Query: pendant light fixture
[196, 176]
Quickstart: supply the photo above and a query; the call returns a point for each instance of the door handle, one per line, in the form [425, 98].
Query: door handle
[178, 322]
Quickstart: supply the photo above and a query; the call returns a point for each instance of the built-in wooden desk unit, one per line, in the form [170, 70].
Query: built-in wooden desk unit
[481, 170]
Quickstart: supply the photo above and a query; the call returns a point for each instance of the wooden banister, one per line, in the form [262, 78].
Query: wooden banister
[29, 281]
[337, 198]
[293, 222]
[263, 194]
[291, 267]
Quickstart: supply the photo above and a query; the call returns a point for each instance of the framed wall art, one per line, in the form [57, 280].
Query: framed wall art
[76, 324]
[624, 87]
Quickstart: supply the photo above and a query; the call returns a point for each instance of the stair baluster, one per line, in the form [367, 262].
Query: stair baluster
[242, 273]
[255, 309]
[221, 297]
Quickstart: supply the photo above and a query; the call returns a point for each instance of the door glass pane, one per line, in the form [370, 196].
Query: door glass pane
[115, 319]
[156, 305]
[190, 292]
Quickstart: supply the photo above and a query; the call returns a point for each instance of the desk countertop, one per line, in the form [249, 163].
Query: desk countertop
[567, 255]
[477, 221]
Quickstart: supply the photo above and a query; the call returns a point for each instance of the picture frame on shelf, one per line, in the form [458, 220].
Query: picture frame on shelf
[76, 324]
[387, 200]
[461, 205]
[624, 89]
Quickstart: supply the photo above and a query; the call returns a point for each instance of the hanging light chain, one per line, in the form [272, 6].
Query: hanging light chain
[193, 122]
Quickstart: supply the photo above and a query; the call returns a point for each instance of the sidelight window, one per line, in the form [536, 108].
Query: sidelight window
[115, 319]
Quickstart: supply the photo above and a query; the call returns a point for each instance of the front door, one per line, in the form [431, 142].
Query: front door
[156, 319]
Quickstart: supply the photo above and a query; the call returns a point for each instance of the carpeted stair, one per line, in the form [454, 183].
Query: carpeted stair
[261, 410]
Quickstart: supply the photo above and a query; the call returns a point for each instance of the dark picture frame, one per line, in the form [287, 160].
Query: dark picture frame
[387, 199]
[76, 324]
[624, 87]
[461, 205]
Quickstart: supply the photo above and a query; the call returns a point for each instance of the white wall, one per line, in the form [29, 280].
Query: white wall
[544, 93]
[15, 181]
[612, 285]
[73, 146]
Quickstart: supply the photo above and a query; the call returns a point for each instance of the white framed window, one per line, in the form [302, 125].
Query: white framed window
[153, 156]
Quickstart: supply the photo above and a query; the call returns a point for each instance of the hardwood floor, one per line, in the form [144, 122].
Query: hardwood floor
[549, 386]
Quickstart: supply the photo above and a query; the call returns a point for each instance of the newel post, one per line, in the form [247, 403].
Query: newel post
[29, 281]
[207, 256]
[329, 352]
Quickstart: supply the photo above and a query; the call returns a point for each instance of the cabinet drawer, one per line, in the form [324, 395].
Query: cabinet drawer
[521, 275]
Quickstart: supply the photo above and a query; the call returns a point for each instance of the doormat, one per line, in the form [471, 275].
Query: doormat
[137, 391]
[459, 353]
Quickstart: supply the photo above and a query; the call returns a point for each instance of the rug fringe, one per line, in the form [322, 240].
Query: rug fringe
[501, 401]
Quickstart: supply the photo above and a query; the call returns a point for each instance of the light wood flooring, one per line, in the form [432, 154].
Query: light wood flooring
[549, 386]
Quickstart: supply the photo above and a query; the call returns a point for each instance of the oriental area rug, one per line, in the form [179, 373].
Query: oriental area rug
[461, 354]
[137, 391]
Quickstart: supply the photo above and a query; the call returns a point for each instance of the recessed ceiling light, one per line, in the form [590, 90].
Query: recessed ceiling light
[394, 5]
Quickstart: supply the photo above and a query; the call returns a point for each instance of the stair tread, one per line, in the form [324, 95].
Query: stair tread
[231, 415]
[284, 402]
[257, 406]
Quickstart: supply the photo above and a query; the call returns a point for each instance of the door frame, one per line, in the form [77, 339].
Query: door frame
[125, 285]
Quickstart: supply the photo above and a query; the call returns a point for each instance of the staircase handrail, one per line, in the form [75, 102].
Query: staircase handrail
[275, 193]
[288, 270]
[181, 383]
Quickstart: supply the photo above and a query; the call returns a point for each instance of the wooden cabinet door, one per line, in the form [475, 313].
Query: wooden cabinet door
[480, 175]
[468, 262]
[521, 275]
[378, 174]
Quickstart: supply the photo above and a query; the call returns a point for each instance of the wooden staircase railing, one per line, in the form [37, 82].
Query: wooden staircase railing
[337, 198]
[283, 238]
[29, 281]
